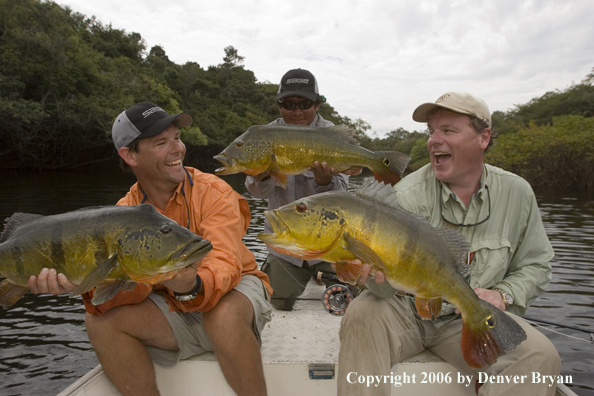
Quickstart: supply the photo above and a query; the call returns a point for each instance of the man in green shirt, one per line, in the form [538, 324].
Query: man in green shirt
[509, 257]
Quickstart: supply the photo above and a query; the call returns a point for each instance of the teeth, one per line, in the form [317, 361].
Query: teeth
[440, 153]
[176, 162]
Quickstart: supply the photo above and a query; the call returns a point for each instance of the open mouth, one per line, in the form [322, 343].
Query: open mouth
[228, 165]
[441, 157]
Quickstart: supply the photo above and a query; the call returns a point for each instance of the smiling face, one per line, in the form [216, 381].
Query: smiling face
[456, 149]
[159, 159]
[298, 116]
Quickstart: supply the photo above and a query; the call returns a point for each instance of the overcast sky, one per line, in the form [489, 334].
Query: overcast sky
[377, 60]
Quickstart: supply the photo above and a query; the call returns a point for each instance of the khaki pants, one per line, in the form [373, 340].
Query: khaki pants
[377, 333]
[289, 281]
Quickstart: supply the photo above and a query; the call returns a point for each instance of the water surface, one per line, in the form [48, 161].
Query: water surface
[44, 346]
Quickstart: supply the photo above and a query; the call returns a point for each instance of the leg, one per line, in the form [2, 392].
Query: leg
[119, 338]
[375, 334]
[230, 326]
[535, 355]
[287, 280]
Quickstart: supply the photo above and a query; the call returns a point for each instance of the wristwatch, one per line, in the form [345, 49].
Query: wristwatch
[507, 298]
[191, 294]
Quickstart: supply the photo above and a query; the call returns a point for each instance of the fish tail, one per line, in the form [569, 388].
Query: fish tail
[393, 165]
[484, 340]
[11, 293]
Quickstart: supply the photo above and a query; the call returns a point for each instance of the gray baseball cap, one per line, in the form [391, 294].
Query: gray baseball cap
[298, 82]
[144, 120]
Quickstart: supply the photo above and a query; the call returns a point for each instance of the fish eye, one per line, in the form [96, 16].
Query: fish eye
[239, 143]
[166, 229]
[490, 322]
[301, 207]
[386, 162]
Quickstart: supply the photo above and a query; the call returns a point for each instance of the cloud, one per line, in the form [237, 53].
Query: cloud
[377, 60]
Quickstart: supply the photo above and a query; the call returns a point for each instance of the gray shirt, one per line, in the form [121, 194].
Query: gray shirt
[298, 186]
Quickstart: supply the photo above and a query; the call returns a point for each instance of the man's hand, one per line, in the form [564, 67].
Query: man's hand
[322, 173]
[185, 280]
[490, 296]
[51, 282]
[365, 276]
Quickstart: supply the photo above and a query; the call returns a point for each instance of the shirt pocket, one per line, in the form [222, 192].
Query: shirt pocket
[490, 263]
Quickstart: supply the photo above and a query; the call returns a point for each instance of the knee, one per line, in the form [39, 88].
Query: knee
[539, 352]
[232, 313]
[363, 315]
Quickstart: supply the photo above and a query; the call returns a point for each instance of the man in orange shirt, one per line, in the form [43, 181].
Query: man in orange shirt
[219, 304]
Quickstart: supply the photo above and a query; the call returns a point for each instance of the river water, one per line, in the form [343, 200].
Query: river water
[44, 346]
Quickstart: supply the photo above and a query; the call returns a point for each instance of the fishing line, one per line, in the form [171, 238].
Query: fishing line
[287, 271]
[533, 322]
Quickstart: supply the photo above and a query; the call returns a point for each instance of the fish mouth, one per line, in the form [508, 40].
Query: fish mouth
[229, 167]
[280, 231]
[190, 253]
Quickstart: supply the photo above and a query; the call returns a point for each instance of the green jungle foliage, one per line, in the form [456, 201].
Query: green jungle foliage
[64, 78]
[556, 156]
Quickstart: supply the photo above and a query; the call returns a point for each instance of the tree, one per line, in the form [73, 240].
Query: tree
[231, 57]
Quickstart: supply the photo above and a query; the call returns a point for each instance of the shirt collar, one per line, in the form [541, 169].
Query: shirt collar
[447, 194]
[178, 195]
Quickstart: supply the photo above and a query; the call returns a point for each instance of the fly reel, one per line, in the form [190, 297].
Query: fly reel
[337, 297]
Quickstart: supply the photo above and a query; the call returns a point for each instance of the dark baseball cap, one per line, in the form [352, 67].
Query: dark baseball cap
[144, 120]
[298, 82]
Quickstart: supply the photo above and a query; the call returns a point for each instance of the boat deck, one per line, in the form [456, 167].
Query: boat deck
[300, 356]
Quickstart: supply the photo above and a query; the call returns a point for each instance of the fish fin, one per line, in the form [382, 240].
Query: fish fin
[11, 293]
[484, 341]
[107, 290]
[352, 171]
[341, 132]
[428, 308]
[458, 247]
[364, 252]
[279, 179]
[15, 221]
[129, 286]
[97, 275]
[379, 192]
[348, 272]
[393, 166]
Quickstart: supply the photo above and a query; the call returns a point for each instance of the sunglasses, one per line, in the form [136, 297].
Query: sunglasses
[460, 224]
[303, 105]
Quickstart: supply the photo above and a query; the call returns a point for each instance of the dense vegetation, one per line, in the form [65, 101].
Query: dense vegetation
[64, 77]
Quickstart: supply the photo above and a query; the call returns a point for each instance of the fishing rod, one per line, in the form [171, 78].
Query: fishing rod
[562, 326]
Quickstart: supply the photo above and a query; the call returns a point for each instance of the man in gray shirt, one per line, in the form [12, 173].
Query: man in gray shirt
[298, 100]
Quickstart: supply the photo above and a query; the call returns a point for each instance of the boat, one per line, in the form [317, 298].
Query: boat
[300, 357]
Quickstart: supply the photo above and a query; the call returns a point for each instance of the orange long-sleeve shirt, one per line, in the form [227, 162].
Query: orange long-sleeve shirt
[218, 214]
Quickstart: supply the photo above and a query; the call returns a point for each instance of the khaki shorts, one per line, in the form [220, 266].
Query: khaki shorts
[189, 331]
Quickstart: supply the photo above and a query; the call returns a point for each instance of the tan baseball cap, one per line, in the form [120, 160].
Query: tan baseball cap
[458, 102]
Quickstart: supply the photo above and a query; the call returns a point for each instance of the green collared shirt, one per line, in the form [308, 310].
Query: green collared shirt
[511, 249]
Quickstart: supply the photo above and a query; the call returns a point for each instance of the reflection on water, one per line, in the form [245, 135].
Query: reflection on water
[44, 346]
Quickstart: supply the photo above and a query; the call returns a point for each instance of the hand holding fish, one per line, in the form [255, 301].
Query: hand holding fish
[51, 282]
[380, 277]
[491, 296]
[184, 280]
[322, 173]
